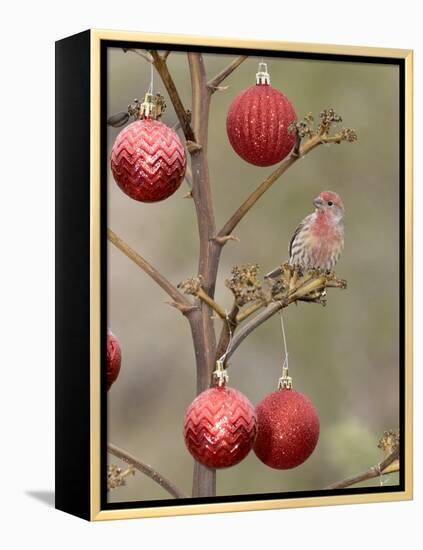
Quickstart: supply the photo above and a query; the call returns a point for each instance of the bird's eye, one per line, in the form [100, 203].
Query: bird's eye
[330, 203]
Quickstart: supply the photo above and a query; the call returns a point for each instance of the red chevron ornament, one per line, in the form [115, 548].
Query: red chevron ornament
[258, 123]
[220, 427]
[148, 160]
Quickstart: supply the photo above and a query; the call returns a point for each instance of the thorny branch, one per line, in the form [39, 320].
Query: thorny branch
[146, 469]
[214, 84]
[180, 302]
[202, 328]
[390, 464]
[160, 64]
[193, 287]
[291, 286]
[142, 53]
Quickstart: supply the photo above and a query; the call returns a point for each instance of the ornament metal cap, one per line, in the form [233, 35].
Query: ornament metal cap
[262, 77]
[220, 375]
[152, 107]
[285, 381]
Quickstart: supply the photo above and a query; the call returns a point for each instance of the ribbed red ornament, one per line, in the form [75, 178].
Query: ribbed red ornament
[114, 358]
[287, 429]
[148, 160]
[220, 427]
[257, 125]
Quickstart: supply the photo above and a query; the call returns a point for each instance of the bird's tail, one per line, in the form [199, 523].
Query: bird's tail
[273, 274]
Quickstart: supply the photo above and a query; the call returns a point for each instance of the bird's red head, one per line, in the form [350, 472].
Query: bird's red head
[329, 201]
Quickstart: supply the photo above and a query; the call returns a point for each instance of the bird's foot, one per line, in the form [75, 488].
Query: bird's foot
[333, 281]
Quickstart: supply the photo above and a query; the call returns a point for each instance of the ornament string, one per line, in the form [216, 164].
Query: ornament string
[380, 475]
[382, 478]
[220, 374]
[223, 358]
[285, 381]
[151, 86]
[285, 347]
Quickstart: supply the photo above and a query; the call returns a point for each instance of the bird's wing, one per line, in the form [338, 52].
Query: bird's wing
[305, 222]
[276, 272]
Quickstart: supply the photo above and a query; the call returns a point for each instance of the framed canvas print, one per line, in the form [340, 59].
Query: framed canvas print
[234, 276]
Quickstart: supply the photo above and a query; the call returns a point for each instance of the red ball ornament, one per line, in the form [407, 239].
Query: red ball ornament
[148, 160]
[114, 358]
[220, 427]
[258, 123]
[287, 429]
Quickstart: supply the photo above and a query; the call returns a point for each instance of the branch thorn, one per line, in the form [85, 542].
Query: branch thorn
[183, 308]
[223, 240]
[217, 88]
[193, 146]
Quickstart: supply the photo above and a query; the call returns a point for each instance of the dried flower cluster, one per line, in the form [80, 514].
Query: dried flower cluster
[389, 441]
[305, 127]
[191, 286]
[245, 285]
[116, 476]
[328, 118]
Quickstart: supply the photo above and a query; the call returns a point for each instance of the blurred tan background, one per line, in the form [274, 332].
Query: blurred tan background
[344, 357]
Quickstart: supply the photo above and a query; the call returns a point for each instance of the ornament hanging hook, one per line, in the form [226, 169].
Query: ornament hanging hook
[262, 76]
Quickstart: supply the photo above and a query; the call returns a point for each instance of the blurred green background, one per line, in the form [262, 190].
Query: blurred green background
[344, 357]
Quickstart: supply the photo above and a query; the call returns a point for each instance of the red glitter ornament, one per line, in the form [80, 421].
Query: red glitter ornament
[148, 160]
[287, 429]
[220, 427]
[258, 122]
[114, 357]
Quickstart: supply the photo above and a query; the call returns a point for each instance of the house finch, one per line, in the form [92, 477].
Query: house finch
[319, 239]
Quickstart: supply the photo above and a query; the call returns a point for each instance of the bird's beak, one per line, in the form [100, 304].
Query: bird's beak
[318, 202]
